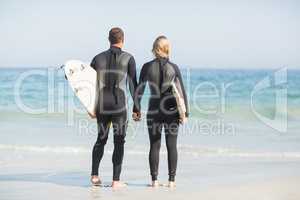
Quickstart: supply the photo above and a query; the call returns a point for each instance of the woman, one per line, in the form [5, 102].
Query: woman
[160, 73]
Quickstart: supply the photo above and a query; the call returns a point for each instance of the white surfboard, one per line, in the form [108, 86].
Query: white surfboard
[177, 91]
[82, 79]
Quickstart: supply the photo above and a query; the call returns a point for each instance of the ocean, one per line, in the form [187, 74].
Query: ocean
[241, 112]
[241, 140]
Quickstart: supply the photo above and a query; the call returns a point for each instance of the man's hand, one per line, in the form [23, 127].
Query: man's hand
[92, 116]
[136, 116]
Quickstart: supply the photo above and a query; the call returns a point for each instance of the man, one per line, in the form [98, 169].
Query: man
[115, 68]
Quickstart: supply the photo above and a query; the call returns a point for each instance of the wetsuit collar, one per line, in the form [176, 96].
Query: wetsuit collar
[162, 61]
[115, 49]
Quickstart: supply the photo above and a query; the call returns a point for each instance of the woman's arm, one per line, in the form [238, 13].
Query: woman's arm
[141, 86]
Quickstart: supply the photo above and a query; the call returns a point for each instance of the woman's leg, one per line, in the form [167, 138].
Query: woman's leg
[154, 129]
[171, 132]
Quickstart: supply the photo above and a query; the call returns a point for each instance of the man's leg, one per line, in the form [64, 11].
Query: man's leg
[98, 150]
[119, 126]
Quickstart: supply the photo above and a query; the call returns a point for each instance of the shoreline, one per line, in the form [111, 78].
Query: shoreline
[280, 188]
[32, 175]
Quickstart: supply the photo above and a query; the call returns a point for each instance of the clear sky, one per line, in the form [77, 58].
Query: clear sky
[221, 34]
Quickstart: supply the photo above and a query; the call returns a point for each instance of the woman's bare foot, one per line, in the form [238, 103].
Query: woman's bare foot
[118, 184]
[95, 180]
[155, 184]
[171, 184]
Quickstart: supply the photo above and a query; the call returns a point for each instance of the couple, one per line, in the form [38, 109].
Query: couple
[115, 69]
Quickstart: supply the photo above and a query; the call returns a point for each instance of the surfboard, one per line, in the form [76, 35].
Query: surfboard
[177, 91]
[82, 78]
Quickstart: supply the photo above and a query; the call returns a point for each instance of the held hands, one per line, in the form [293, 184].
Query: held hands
[136, 116]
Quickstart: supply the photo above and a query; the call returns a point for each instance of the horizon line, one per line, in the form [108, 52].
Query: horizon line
[184, 67]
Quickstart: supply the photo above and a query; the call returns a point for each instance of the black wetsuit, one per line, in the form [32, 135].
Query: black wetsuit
[162, 111]
[115, 68]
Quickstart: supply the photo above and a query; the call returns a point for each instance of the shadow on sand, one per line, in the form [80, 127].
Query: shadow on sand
[79, 179]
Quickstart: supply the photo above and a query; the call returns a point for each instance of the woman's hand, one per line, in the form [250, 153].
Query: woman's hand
[182, 120]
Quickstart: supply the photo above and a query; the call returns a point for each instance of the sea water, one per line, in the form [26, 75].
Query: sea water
[244, 113]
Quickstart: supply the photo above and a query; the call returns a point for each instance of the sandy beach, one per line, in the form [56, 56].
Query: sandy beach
[48, 175]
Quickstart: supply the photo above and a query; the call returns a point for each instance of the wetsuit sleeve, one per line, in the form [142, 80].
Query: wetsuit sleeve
[178, 74]
[132, 81]
[93, 63]
[141, 87]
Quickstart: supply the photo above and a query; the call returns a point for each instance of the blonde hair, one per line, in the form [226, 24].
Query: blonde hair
[161, 47]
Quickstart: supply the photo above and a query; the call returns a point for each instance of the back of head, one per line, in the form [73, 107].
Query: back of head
[161, 47]
[116, 36]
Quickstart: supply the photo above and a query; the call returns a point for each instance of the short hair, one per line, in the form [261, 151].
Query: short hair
[116, 35]
[161, 47]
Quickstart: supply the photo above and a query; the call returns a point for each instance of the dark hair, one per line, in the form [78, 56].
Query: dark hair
[116, 35]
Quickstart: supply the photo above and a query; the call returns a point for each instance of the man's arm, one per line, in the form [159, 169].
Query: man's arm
[132, 81]
[93, 63]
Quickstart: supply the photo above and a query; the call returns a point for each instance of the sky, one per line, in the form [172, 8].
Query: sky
[203, 34]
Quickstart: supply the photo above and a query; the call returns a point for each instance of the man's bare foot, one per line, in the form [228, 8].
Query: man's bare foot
[95, 180]
[155, 184]
[118, 184]
[171, 184]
